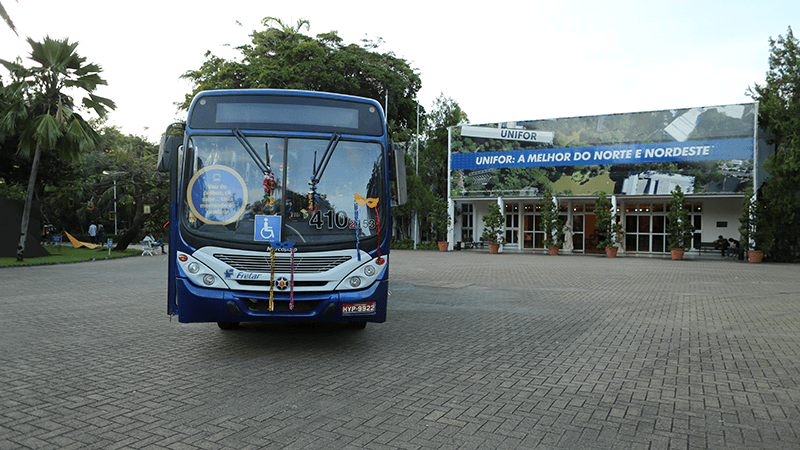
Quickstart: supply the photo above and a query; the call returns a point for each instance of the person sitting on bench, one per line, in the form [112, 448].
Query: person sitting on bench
[722, 244]
[155, 243]
[733, 247]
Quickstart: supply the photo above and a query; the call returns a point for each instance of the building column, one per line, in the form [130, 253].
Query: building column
[502, 205]
[451, 229]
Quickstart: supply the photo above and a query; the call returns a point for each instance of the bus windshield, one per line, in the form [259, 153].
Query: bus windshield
[226, 188]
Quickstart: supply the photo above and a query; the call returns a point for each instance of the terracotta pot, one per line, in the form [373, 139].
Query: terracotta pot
[443, 246]
[552, 249]
[755, 256]
[677, 253]
[611, 252]
[493, 248]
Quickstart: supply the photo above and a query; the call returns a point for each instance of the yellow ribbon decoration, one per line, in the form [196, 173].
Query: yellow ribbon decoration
[271, 278]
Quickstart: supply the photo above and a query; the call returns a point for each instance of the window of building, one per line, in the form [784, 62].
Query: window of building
[512, 223]
[467, 222]
[645, 226]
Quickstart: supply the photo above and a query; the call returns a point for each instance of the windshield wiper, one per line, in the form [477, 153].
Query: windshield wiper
[262, 165]
[326, 157]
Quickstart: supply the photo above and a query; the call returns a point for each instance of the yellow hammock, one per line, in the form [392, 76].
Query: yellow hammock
[78, 244]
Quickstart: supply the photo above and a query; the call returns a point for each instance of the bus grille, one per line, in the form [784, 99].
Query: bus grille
[302, 264]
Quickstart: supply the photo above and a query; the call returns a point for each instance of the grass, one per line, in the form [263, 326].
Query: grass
[602, 182]
[68, 254]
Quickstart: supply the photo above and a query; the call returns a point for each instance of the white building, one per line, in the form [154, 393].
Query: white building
[713, 153]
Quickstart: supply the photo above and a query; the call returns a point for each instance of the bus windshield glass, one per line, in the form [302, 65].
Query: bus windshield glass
[226, 189]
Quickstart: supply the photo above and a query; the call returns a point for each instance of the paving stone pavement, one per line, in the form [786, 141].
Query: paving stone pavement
[479, 351]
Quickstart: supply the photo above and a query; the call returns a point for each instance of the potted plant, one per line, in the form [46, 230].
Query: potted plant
[747, 225]
[679, 227]
[608, 228]
[551, 222]
[440, 221]
[493, 224]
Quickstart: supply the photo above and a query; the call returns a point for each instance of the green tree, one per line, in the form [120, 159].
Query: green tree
[746, 225]
[43, 114]
[493, 222]
[440, 219]
[431, 181]
[282, 57]
[127, 159]
[552, 224]
[607, 226]
[131, 161]
[777, 217]
[420, 199]
[434, 154]
[679, 227]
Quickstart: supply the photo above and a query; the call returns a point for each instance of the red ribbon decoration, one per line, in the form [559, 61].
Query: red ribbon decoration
[378, 226]
[370, 203]
[291, 282]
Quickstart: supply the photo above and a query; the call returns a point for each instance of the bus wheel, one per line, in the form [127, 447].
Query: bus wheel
[358, 325]
[228, 325]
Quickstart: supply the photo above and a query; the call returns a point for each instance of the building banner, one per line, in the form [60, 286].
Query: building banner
[707, 149]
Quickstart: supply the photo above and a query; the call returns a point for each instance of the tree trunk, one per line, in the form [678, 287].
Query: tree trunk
[26, 212]
[138, 220]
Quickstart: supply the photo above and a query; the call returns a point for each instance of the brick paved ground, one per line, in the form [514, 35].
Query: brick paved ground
[480, 351]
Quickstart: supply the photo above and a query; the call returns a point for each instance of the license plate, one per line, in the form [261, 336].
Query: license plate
[358, 308]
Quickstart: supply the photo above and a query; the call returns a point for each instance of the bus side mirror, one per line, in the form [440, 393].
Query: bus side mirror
[166, 152]
[399, 166]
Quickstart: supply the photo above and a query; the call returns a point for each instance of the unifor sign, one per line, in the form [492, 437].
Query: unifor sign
[614, 154]
[505, 133]
[710, 148]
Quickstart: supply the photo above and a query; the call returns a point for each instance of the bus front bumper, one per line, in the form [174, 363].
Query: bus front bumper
[199, 304]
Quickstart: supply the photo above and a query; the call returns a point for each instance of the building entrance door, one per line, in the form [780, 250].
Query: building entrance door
[592, 237]
[578, 232]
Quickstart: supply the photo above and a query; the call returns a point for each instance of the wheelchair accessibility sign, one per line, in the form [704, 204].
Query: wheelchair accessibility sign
[267, 228]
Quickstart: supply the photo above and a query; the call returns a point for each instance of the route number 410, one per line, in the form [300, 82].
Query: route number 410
[339, 219]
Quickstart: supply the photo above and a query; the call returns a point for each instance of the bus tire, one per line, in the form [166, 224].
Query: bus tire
[228, 325]
[358, 325]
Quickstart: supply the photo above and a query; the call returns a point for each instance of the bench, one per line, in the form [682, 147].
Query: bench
[709, 247]
[468, 245]
[147, 248]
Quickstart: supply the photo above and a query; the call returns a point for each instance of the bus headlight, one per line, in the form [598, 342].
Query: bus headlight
[363, 276]
[199, 273]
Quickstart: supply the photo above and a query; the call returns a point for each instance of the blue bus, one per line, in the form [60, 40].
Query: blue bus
[280, 208]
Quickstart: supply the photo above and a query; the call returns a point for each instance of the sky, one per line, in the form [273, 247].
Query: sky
[504, 61]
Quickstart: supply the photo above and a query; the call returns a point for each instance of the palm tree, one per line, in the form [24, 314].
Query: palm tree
[43, 114]
[4, 15]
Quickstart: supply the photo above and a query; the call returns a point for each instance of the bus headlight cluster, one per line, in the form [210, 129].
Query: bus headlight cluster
[199, 273]
[364, 275]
